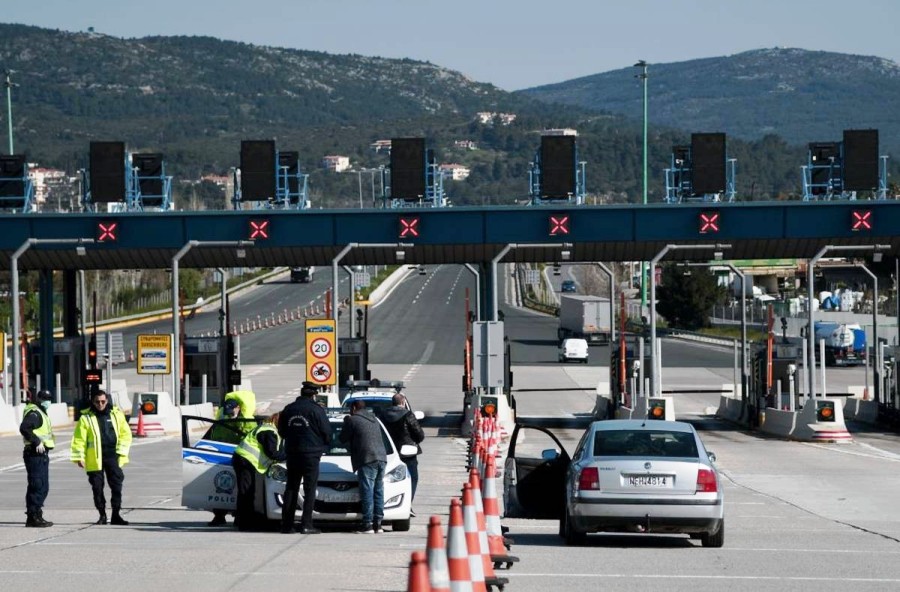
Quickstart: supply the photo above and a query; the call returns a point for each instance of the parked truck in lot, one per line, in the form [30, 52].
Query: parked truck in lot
[584, 317]
[845, 344]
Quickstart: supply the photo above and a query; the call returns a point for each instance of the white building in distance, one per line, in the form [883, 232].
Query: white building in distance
[336, 163]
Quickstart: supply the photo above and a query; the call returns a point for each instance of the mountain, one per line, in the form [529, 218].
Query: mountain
[802, 96]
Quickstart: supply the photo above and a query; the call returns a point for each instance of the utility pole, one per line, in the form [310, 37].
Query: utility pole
[9, 85]
[643, 78]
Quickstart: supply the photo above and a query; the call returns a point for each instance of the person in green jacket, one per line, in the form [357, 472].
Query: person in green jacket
[241, 407]
[100, 446]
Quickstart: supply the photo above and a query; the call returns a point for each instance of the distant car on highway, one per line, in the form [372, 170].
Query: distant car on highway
[568, 286]
[573, 349]
[653, 477]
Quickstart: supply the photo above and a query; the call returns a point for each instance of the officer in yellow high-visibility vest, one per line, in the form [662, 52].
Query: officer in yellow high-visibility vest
[254, 455]
[38, 435]
[100, 446]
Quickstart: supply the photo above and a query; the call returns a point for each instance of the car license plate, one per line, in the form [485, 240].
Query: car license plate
[661, 481]
[338, 497]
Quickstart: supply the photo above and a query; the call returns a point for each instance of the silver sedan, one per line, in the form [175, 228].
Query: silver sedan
[641, 476]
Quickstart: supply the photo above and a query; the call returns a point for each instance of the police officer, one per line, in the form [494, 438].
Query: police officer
[38, 435]
[100, 446]
[255, 454]
[307, 436]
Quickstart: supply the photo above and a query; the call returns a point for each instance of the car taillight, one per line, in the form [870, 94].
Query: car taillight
[589, 478]
[706, 481]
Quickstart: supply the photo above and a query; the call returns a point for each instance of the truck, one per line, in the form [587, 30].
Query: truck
[845, 344]
[304, 275]
[584, 317]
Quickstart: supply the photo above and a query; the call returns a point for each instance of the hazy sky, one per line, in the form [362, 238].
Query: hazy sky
[513, 44]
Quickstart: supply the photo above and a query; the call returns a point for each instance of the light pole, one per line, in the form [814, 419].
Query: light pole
[9, 85]
[657, 365]
[223, 310]
[612, 302]
[14, 294]
[740, 274]
[477, 275]
[176, 353]
[494, 300]
[643, 78]
[876, 370]
[810, 330]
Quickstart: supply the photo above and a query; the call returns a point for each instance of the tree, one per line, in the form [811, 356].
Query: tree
[686, 295]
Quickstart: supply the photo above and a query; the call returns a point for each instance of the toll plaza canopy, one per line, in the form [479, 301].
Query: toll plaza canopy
[140, 240]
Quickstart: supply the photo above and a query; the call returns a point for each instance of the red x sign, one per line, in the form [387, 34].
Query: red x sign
[409, 227]
[559, 225]
[106, 232]
[709, 222]
[861, 220]
[259, 229]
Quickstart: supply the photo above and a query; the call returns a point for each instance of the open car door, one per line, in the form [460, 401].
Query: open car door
[534, 476]
[207, 478]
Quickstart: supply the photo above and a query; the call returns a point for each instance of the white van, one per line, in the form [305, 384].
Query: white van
[573, 349]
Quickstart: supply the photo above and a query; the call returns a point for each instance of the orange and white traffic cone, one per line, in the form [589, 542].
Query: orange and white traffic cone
[457, 551]
[473, 545]
[418, 573]
[497, 543]
[487, 561]
[438, 576]
[140, 431]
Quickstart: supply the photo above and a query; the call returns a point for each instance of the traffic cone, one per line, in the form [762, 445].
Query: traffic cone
[140, 432]
[457, 552]
[490, 578]
[438, 576]
[470, 527]
[497, 544]
[418, 573]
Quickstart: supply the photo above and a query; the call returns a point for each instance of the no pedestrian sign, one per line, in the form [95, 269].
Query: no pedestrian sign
[320, 351]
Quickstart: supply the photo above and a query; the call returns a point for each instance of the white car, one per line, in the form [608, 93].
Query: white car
[376, 394]
[208, 479]
[573, 349]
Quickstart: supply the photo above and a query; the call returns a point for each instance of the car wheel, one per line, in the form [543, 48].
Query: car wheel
[716, 539]
[400, 525]
[572, 536]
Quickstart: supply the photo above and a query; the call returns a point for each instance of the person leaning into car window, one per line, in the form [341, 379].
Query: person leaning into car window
[405, 430]
[363, 436]
[304, 426]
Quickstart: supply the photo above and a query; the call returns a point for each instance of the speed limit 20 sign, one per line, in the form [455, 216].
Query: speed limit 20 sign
[320, 351]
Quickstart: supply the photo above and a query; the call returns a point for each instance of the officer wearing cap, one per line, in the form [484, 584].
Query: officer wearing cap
[307, 436]
[38, 435]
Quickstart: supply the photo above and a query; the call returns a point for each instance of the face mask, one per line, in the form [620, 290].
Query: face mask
[45, 405]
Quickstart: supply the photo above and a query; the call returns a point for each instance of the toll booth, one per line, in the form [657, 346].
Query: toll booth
[211, 356]
[68, 362]
[353, 359]
[632, 375]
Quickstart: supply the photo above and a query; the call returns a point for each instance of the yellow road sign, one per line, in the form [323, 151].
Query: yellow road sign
[154, 354]
[321, 351]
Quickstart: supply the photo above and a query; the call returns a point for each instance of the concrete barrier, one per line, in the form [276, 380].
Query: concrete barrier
[810, 429]
[602, 406]
[167, 418]
[9, 418]
[779, 423]
[857, 409]
[201, 410]
[729, 409]
[118, 391]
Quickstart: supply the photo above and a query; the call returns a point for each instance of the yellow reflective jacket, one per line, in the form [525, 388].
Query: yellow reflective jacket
[86, 439]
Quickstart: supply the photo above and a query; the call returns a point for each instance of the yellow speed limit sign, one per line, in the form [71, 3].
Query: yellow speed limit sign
[321, 354]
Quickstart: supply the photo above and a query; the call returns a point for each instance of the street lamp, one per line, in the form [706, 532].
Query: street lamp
[176, 354]
[14, 294]
[494, 300]
[643, 78]
[477, 275]
[740, 274]
[657, 365]
[876, 363]
[810, 332]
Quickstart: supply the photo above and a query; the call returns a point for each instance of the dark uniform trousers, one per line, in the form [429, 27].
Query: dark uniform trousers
[305, 467]
[37, 466]
[115, 476]
[245, 475]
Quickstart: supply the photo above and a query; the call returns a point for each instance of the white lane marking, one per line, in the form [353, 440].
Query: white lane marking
[516, 575]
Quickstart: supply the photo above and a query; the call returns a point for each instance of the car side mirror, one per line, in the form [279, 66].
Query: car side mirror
[419, 415]
[711, 455]
[550, 454]
[408, 450]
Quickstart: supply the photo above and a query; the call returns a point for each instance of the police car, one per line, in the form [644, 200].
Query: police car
[377, 394]
[208, 480]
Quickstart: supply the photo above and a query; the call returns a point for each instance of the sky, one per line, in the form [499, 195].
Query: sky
[512, 44]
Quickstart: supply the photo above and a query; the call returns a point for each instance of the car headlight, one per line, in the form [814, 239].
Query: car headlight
[278, 473]
[398, 474]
